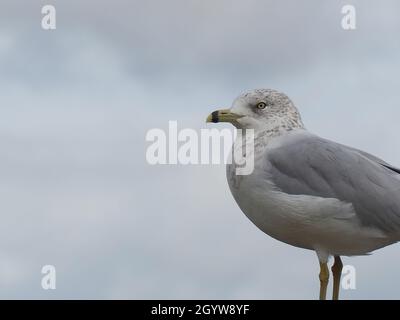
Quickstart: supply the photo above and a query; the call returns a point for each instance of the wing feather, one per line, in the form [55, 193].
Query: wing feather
[314, 166]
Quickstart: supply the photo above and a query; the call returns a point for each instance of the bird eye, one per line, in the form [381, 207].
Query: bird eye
[261, 105]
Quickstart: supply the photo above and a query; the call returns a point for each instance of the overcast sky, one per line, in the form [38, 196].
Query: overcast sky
[76, 104]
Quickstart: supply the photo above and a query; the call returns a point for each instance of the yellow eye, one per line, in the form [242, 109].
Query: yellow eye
[261, 105]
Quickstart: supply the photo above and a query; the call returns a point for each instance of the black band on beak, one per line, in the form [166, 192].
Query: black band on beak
[214, 117]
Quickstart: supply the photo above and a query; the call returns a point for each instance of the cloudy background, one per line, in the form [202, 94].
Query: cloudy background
[76, 103]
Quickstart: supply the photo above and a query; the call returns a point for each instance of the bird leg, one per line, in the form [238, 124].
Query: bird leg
[337, 272]
[323, 278]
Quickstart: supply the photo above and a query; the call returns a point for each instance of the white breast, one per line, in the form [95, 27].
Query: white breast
[301, 220]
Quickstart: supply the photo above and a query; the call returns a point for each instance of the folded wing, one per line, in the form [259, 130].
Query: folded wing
[309, 165]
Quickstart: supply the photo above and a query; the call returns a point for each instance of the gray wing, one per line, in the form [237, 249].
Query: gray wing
[314, 166]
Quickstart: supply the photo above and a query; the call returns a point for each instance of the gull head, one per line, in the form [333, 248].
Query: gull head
[264, 110]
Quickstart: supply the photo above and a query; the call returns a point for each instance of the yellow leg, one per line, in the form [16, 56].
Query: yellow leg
[337, 273]
[323, 278]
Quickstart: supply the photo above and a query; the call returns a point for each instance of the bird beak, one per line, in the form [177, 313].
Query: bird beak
[224, 115]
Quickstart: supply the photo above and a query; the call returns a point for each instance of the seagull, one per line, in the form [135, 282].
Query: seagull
[308, 191]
